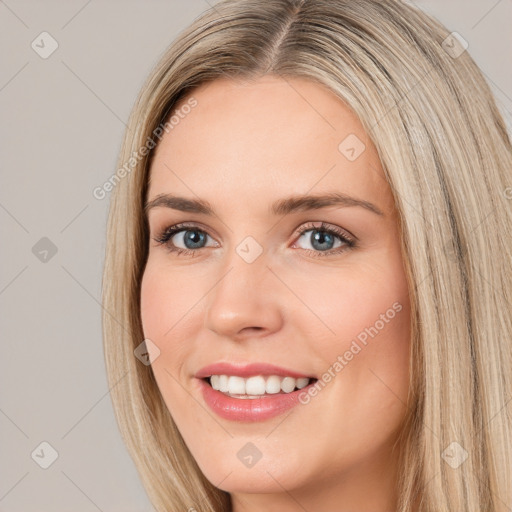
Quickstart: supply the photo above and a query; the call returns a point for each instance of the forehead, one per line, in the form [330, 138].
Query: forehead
[272, 137]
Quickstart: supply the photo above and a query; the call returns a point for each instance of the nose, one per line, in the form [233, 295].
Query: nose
[245, 301]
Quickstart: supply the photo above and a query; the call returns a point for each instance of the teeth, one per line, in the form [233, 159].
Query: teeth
[223, 383]
[236, 385]
[288, 384]
[254, 387]
[273, 385]
[302, 382]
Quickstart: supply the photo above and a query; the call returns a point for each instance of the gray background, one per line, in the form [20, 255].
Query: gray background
[62, 122]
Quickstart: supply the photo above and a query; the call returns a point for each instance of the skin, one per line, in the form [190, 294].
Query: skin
[241, 148]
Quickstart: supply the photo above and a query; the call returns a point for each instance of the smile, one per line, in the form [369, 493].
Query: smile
[244, 407]
[256, 386]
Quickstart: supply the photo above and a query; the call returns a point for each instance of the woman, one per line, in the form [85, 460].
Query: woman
[307, 284]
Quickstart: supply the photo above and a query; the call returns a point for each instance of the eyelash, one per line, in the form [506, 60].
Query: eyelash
[167, 233]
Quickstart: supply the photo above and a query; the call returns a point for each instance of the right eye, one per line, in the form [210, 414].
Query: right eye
[190, 236]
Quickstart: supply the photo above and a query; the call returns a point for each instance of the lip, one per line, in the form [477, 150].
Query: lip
[248, 370]
[249, 409]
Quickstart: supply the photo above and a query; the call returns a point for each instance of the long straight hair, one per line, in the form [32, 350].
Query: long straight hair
[448, 159]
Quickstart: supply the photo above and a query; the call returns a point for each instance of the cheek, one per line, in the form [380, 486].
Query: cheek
[366, 303]
[156, 298]
[372, 352]
[160, 315]
[365, 340]
[166, 321]
[166, 301]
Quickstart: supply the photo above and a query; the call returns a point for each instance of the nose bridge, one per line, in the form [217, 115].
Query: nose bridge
[241, 297]
[246, 263]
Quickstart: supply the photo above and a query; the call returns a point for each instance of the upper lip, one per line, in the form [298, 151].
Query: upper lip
[247, 370]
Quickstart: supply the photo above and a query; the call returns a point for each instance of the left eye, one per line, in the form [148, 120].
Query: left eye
[321, 240]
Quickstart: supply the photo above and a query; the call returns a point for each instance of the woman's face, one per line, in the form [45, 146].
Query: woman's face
[272, 275]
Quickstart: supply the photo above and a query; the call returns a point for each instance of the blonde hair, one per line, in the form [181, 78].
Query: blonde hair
[447, 156]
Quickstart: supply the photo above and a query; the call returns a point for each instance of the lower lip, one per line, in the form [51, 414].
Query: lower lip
[250, 409]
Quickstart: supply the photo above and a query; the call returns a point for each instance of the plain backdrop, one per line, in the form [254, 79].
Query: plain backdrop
[62, 120]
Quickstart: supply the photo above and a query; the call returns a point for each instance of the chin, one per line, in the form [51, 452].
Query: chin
[267, 475]
[252, 481]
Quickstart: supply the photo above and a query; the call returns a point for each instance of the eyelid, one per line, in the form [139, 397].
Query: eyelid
[325, 226]
[165, 234]
[181, 226]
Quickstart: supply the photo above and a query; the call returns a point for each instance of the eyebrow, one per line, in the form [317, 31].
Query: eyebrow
[283, 206]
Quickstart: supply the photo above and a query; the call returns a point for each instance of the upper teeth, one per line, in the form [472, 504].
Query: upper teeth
[258, 385]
